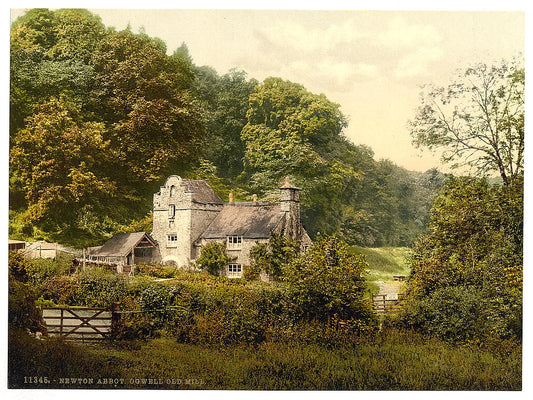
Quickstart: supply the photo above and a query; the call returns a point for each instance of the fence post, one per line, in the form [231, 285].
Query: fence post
[115, 319]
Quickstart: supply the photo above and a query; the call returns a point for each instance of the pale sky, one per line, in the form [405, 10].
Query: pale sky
[370, 62]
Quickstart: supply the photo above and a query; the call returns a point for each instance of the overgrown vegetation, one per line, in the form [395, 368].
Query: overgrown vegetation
[237, 334]
[268, 259]
[199, 307]
[466, 282]
[396, 361]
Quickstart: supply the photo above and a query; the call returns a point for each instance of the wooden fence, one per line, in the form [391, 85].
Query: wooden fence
[384, 305]
[79, 324]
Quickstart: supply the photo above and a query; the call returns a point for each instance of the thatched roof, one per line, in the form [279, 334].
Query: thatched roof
[121, 244]
[202, 192]
[253, 221]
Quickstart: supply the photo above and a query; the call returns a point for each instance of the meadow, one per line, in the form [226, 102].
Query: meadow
[392, 361]
[385, 262]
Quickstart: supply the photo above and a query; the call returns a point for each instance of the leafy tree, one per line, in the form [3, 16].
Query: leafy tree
[58, 35]
[60, 160]
[478, 119]
[329, 281]
[154, 124]
[225, 99]
[214, 258]
[50, 53]
[474, 254]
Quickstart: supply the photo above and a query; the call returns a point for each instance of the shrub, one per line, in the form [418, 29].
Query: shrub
[22, 310]
[329, 280]
[156, 270]
[18, 266]
[42, 268]
[213, 258]
[100, 288]
[271, 257]
[61, 289]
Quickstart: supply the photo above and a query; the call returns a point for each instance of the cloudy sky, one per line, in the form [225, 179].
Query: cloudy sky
[370, 62]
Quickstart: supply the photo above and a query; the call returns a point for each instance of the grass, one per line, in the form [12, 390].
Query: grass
[385, 262]
[395, 362]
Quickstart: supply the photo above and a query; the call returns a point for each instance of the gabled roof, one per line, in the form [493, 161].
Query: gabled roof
[250, 221]
[202, 192]
[121, 244]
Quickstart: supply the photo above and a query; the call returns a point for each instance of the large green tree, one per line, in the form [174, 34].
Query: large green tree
[98, 118]
[478, 120]
[50, 53]
[466, 273]
[143, 96]
[60, 159]
[225, 99]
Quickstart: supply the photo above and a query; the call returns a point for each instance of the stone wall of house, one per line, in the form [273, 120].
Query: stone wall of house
[242, 253]
[178, 221]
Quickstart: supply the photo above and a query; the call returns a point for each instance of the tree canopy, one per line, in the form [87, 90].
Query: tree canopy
[478, 120]
[99, 118]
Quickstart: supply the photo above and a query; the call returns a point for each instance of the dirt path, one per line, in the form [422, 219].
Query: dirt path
[389, 289]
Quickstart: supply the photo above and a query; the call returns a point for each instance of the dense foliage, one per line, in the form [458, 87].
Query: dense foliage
[270, 258]
[466, 280]
[329, 281]
[99, 118]
[214, 258]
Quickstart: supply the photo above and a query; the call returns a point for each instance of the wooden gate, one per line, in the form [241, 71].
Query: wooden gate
[79, 324]
[384, 305]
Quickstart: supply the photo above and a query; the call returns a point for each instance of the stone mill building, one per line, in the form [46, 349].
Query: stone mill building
[188, 213]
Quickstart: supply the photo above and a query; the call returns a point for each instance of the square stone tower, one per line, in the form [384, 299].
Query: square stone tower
[182, 210]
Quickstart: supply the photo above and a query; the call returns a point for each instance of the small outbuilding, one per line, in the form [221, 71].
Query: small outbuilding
[16, 245]
[124, 250]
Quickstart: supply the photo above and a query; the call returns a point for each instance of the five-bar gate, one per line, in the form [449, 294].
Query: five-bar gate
[78, 324]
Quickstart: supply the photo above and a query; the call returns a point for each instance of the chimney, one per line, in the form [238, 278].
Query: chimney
[231, 197]
[290, 205]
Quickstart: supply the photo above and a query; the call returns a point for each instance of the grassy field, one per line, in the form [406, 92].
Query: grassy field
[385, 262]
[395, 362]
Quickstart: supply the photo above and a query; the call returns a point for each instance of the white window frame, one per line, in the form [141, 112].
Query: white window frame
[172, 240]
[234, 270]
[235, 242]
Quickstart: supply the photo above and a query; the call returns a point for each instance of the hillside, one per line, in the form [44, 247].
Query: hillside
[385, 262]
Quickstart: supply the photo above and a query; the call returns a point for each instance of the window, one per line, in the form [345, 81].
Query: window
[172, 191]
[234, 242]
[172, 240]
[234, 270]
[171, 210]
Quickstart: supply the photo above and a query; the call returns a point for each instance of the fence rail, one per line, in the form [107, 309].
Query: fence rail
[385, 305]
[78, 324]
